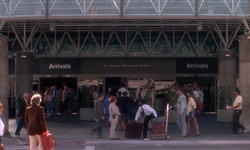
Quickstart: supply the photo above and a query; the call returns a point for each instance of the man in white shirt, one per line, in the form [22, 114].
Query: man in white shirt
[196, 94]
[237, 108]
[149, 113]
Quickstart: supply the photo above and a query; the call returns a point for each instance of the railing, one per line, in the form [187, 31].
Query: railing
[31, 9]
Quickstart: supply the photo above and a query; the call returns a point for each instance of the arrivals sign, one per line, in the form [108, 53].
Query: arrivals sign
[197, 65]
[59, 66]
[125, 66]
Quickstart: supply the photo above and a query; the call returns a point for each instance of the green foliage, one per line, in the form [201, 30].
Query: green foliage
[223, 96]
[170, 95]
[147, 99]
[85, 97]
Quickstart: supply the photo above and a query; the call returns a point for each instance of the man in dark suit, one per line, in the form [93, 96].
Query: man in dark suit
[35, 121]
[55, 99]
[22, 104]
[99, 116]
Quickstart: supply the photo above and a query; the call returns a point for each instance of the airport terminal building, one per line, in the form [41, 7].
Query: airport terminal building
[148, 44]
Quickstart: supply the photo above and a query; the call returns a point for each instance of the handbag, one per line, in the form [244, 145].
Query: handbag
[122, 123]
[1, 147]
[48, 142]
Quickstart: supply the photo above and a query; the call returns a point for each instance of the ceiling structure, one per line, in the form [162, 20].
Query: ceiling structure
[82, 28]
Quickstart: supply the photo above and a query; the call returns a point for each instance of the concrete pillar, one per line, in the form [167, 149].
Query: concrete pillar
[244, 74]
[227, 73]
[24, 73]
[4, 79]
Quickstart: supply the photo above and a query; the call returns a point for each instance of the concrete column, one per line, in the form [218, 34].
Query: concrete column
[244, 74]
[24, 74]
[227, 72]
[4, 79]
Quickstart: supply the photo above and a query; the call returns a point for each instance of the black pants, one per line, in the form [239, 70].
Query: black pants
[236, 121]
[145, 125]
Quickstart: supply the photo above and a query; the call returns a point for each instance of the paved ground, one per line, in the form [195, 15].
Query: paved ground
[73, 134]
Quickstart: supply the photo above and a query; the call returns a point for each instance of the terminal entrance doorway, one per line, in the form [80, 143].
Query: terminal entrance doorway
[112, 84]
[59, 82]
[65, 97]
[208, 87]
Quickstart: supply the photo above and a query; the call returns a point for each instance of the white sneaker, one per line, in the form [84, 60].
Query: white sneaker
[146, 139]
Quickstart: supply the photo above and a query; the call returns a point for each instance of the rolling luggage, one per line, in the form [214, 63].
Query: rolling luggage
[133, 130]
[48, 142]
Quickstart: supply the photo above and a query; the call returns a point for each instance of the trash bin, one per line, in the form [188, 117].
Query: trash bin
[160, 104]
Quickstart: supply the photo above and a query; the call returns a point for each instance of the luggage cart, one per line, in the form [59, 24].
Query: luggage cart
[160, 127]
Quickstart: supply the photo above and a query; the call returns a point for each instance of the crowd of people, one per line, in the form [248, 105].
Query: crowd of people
[117, 109]
[59, 100]
[187, 111]
[121, 108]
[189, 105]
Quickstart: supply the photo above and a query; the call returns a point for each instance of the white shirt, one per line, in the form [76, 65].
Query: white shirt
[201, 96]
[237, 100]
[196, 94]
[1, 127]
[147, 111]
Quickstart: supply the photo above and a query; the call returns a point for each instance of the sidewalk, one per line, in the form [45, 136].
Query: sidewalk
[71, 130]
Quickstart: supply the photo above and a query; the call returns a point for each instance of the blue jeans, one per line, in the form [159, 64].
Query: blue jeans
[20, 125]
[49, 106]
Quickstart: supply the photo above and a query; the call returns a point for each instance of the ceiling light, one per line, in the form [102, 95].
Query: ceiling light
[23, 56]
[228, 55]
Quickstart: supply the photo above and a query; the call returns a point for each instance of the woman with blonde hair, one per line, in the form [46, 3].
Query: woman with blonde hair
[114, 114]
[192, 112]
[35, 121]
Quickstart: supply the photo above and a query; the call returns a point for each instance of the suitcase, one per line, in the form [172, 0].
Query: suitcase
[158, 128]
[48, 142]
[133, 130]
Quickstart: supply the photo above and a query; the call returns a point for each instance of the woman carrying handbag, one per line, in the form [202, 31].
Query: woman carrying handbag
[35, 121]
